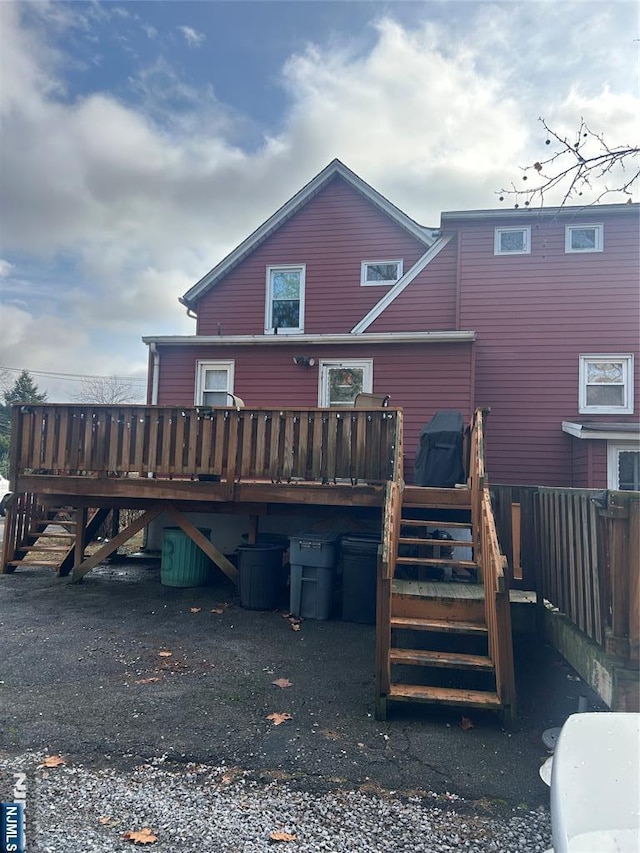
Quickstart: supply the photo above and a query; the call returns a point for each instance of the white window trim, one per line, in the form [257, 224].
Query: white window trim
[363, 273]
[323, 386]
[627, 407]
[268, 328]
[215, 364]
[526, 229]
[613, 467]
[599, 229]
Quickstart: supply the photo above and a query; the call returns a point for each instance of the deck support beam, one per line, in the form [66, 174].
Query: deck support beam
[109, 547]
[202, 542]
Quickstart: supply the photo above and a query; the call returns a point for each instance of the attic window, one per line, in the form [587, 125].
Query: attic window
[380, 272]
[512, 241]
[285, 300]
[583, 238]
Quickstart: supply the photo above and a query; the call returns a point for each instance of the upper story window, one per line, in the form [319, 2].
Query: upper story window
[214, 383]
[584, 238]
[380, 272]
[606, 384]
[512, 241]
[285, 299]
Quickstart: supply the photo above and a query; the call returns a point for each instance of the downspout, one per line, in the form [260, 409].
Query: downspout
[155, 375]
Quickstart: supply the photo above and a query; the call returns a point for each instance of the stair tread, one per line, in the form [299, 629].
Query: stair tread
[44, 547]
[419, 624]
[440, 524]
[436, 561]
[34, 563]
[427, 657]
[445, 695]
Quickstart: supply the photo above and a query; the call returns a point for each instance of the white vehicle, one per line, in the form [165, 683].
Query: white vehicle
[4, 494]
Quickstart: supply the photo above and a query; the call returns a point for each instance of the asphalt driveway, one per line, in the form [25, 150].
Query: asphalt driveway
[121, 668]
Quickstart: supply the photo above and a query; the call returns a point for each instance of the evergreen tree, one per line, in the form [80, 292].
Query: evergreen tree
[23, 390]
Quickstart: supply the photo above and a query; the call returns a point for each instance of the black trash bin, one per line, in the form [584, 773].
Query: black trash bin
[262, 577]
[359, 577]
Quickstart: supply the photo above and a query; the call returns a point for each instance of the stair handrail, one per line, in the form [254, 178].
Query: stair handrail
[493, 570]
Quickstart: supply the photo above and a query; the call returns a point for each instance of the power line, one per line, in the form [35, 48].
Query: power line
[75, 377]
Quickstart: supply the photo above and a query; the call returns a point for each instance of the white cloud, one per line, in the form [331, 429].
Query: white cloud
[5, 268]
[142, 198]
[192, 37]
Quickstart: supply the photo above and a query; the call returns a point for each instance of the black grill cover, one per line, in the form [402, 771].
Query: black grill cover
[439, 457]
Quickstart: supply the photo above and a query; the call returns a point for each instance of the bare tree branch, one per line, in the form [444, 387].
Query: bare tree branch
[587, 165]
[108, 390]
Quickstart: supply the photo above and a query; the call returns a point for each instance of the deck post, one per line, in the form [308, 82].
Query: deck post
[81, 527]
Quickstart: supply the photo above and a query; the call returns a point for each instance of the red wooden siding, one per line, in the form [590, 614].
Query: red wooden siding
[420, 378]
[589, 463]
[428, 303]
[332, 234]
[534, 314]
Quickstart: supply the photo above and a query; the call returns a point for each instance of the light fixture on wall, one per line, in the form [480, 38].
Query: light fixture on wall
[303, 361]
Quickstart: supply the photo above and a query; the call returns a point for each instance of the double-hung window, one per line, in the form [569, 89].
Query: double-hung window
[380, 272]
[214, 383]
[583, 238]
[606, 384]
[512, 241]
[285, 299]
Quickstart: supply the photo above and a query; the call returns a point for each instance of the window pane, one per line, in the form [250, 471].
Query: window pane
[382, 272]
[344, 384]
[603, 372]
[285, 314]
[583, 238]
[512, 241]
[629, 470]
[605, 395]
[285, 284]
[215, 380]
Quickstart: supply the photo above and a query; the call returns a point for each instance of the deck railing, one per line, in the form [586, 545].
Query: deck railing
[233, 444]
[492, 568]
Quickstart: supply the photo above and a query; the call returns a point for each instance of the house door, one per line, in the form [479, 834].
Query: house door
[340, 381]
[623, 466]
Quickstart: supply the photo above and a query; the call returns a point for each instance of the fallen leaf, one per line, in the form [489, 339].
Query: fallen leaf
[104, 820]
[218, 609]
[148, 680]
[282, 682]
[195, 609]
[282, 836]
[295, 626]
[142, 836]
[165, 654]
[53, 761]
[466, 724]
[279, 718]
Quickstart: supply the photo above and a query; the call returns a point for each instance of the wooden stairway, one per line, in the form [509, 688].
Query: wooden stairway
[45, 536]
[443, 626]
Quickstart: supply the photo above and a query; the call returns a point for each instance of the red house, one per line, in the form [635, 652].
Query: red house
[532, 313]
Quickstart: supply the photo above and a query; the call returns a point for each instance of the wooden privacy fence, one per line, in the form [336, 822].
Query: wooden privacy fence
[273, 444]
[580, 550]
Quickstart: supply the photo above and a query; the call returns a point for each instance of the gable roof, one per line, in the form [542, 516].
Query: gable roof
[336, 168]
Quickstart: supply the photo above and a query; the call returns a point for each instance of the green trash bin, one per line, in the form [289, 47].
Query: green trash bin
[183, 563]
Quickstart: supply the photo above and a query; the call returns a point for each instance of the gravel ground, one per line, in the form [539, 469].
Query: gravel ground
[198, 808]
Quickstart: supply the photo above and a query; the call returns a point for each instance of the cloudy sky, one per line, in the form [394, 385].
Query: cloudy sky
[141, 141]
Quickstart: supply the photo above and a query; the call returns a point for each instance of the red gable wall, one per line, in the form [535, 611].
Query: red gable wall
[332, 234]
[534, 315]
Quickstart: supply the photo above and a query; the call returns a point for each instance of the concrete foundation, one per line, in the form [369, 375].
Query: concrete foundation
[616, 681]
